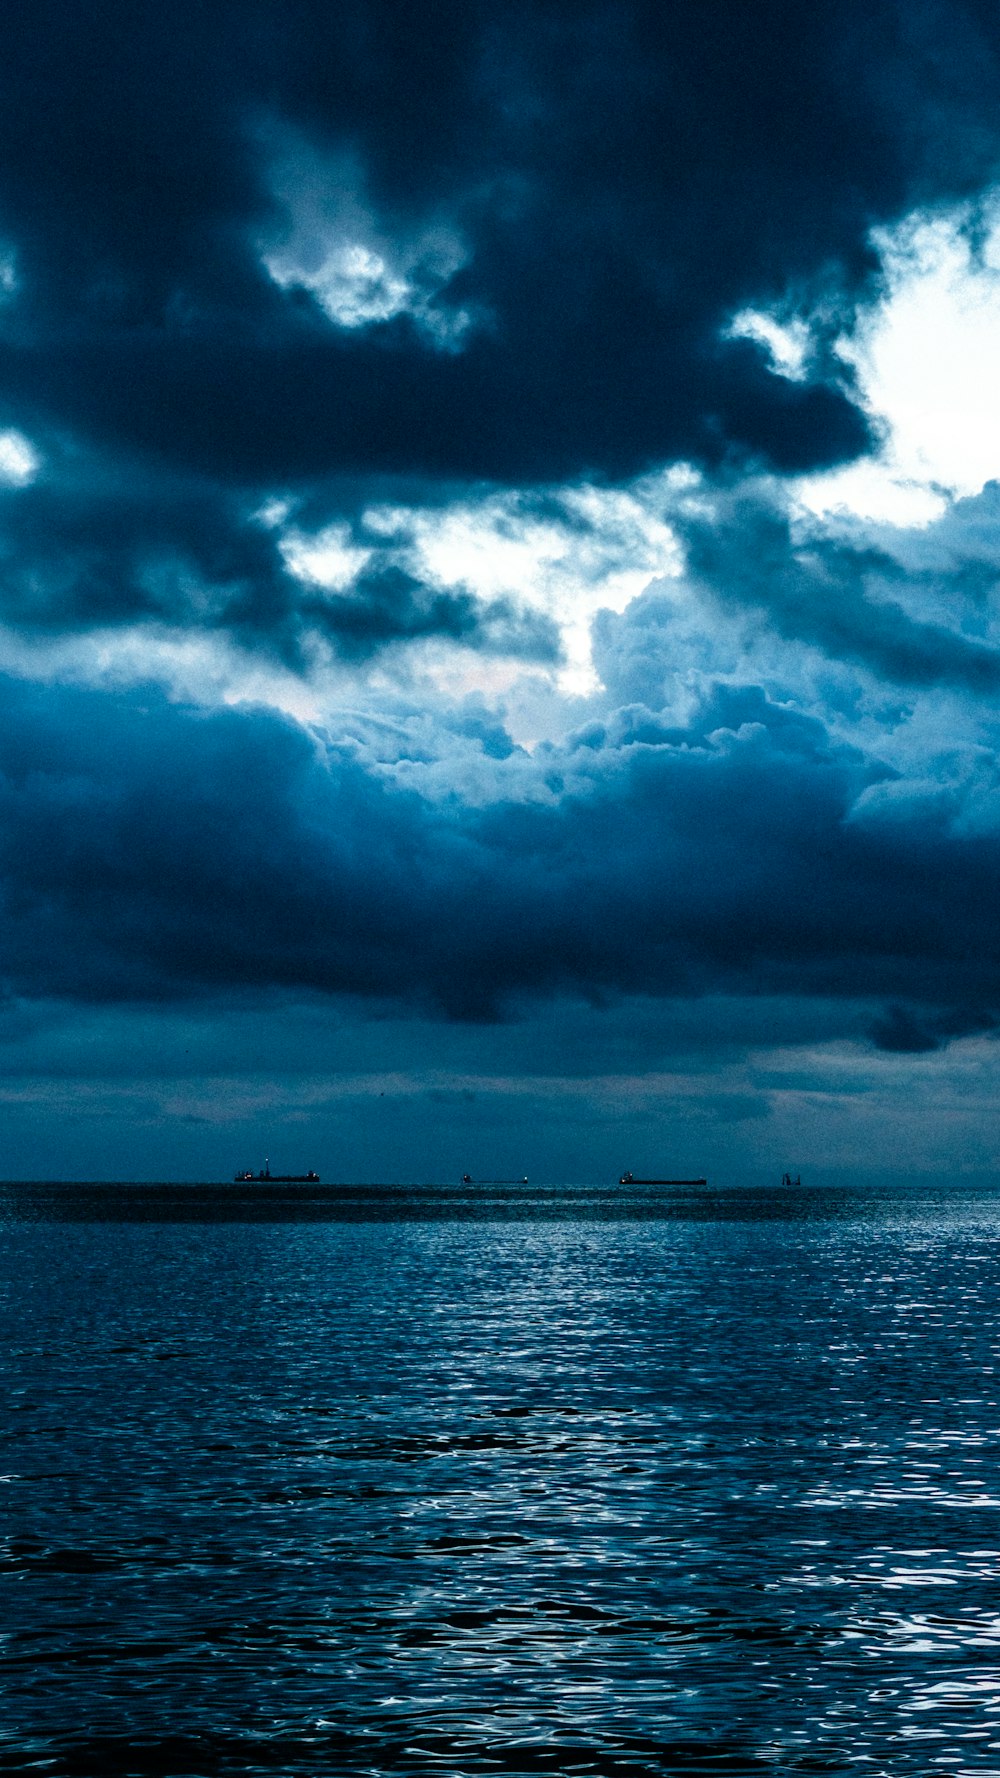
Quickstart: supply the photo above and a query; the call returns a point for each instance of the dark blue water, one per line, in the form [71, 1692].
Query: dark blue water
[368, 1483]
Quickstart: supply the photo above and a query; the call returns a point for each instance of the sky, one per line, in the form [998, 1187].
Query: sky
[499, 608]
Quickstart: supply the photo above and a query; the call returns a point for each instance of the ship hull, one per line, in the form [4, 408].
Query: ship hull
[629, 1179]
[276, 1179]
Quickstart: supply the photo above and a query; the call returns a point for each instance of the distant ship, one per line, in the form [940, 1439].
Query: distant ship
[467, 1179]
[266, 1177]
[787, 1180]
[630, 1179]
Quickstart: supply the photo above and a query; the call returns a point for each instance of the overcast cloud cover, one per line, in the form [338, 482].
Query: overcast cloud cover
[499, 549]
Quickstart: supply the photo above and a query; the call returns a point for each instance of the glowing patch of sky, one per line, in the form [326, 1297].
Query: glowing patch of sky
[929, 357]
[590, 549]
[19, 463]
[926, 357]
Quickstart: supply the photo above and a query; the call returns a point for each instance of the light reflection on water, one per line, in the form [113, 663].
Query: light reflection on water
[389, 1485]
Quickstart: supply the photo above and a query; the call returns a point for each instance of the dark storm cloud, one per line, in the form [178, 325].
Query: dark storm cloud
[843, 599]
[75, 554]
[387, 604]
[152, 852]
[623, 177]
[80, 555]
[906, 1032]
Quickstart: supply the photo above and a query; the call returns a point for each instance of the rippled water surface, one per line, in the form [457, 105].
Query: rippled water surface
[384, 1482]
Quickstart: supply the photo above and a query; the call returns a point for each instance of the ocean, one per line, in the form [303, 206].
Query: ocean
[509, 1480]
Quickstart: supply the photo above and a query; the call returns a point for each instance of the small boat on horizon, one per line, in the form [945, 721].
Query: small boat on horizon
[266, 1177]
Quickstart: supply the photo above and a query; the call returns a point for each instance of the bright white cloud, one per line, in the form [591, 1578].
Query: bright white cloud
[19, 462]
[360, 270]
[871, 489]
[787, 344]
[328, 558]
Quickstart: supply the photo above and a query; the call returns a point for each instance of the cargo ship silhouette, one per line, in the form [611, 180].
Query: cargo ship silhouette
[630, 1179]
[266, 1177]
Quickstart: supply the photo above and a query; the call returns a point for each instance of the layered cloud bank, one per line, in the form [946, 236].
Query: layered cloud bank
[499, 522]
[152, 852]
